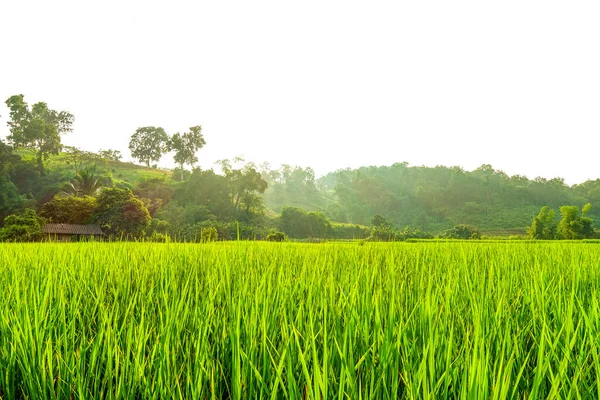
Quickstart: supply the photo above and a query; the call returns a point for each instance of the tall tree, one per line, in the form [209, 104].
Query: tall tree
[574, 225]
[543, 226]
[245, 185]
[85, 183]
[26, 227]
[121, 213]
[37, 127]
[148, 144]
[69, 210]
[186, 145]
[10, 199]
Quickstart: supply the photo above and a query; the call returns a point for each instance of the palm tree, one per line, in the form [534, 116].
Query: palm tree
[85, 183]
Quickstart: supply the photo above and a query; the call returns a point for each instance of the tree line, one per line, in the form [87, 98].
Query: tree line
[253, 201]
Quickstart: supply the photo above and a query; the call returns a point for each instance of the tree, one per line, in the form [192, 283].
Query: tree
[207, 189]
[379, 221]
[245, 186]
[121, 213]
[276, 236]
[70, 210]
[10, 199]
[462, 231]
[297, 223]
[543, 226]
[7, 156]
[209, 234]
[22, 228]
[148, 144]
[85, 183]
[37, 128]
[382, 230]
[574, 225]
[111, 155]
[186, 145]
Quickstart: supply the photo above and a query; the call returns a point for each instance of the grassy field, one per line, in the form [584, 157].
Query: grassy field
[326, 321]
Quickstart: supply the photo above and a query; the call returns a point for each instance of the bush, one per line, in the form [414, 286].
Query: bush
[276, 236]
[462, 231]
[22, 228]
[157, 237]
[209, 234]
[349, 231]
[69, 210]
[409, 233]
[298, 223]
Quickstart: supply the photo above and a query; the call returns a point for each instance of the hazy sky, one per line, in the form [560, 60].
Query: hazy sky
[327, 84]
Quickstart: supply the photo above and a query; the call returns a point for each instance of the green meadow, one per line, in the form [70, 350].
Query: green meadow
[243, 320]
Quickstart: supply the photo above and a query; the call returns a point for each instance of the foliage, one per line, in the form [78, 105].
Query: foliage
[380, 221]
[462, 231]
[186, 146]
[37, 127]
[209, 234]
[382, 230]
[22, 228]
[294, 187]
[157, 237]
[438, 198]
[408, 233]
[148, 144]
[109, 154]
[245, 185]
[574, 225]
[121, 213]
[69, 210]
[544, 225]
[349, 231]
[210, 190]
[276, 236]
[86, 183]
[298, 223]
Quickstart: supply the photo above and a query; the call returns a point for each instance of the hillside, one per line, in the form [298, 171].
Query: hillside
[430, 199]
[435, 198]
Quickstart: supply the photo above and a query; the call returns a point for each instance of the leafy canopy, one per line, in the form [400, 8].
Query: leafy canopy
[37, 127]
[148, 144]
[186, 145]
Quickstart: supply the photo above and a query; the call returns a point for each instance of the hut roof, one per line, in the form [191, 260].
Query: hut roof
[72, 229]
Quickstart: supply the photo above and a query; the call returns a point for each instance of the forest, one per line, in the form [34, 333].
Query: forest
[42, 180]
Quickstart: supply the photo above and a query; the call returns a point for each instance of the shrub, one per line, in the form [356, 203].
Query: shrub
[383, 234]
[349, 231]
[276, 236]
[22, 228]
[462, 231]
[69, 210]
[209, 234]
[157, 237]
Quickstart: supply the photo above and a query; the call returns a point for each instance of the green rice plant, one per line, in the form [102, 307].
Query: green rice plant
[240, 320]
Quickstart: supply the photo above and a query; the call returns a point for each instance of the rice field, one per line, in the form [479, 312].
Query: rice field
[245, 320]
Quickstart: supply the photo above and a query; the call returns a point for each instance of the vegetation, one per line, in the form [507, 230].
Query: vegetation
[37, 127]
[70, 210]
[260, 320]
[247, 201]
[119, 212]
[148, 144]
[276, 236]
[462, 231]
[22, 228]
[186, 146]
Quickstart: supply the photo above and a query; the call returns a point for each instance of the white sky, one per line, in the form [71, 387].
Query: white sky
[327, 84]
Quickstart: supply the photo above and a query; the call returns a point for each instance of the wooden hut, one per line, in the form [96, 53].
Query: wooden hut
[70, 232]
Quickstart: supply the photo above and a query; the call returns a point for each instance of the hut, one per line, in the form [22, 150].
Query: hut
[70, 232]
